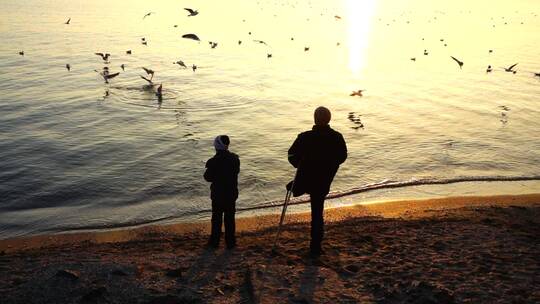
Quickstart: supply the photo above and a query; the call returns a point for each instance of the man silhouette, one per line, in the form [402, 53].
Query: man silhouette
[317, 154]
[222, 171]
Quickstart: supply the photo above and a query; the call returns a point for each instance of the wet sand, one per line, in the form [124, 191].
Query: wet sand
[449, 250]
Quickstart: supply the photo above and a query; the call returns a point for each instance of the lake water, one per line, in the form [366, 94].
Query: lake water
[77, 153]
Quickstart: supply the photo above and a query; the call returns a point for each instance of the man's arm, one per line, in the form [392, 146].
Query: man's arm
[295, 152]
[342, 150]
[209, 173]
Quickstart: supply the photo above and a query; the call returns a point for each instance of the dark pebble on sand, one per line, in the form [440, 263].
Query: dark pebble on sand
[174, 273]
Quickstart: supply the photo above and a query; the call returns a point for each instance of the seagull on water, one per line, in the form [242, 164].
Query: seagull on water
[68, 67]
[458, 61]
[128, 52]
[21, 53]
[68, 21]
[510, 68]
[489, 69]
[180, 63]
[191, 12]
[194, 67]
[123, 66]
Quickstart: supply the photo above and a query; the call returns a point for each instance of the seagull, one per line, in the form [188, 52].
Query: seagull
[128, 52]
[148, 14]
[158, 92]
[191, 36]
[268, 55]
[68, 67]
[68, 21]
[357, 93]
[537, 74]
[105, 57]
[191, 12]
[510, 68]
[491, 51]
[149, 80]
[194, 67]
[504, 108]
[458, 61]
[239, 42]
[123, 67]
[426, 52]
[337, 17]
[413, 59]
[213, 45]
[21, 53]
[306, 49]
[149, 72]
[489, 69]
[260, 41]
[144, 42]
[180, 63]
[106, 76]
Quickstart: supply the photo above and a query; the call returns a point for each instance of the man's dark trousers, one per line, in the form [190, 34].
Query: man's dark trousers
[222, 210]
[317, 221]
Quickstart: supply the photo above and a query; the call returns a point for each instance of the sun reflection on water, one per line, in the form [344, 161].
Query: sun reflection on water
[359, 22]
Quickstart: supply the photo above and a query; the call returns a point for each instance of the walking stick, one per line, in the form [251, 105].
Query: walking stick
[285, 204]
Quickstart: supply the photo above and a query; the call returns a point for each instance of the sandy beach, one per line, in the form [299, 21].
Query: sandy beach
[449, 250]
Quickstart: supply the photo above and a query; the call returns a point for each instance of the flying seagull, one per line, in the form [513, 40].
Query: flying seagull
[191, 12]
[106, 76]
[357, 93]
[180, 63]
[458, 61]
[306, 49]
[337, 17]
[511, 68]
[105, 57]
[68, 21]
[149, 72]
[260, 41]
[191, 36]
[413, 59]
[149, 80]
[148, 14]
[268, 55]
[21, 53]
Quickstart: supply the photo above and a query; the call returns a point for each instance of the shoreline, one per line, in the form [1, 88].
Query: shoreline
[384, 209]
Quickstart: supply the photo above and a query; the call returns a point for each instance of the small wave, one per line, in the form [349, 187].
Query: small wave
[388, 184]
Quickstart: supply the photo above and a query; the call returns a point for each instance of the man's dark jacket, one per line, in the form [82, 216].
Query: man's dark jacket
[222, 171]
[317, 154]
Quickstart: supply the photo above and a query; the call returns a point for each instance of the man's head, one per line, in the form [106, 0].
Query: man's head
[221, 142]
[322, 116]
